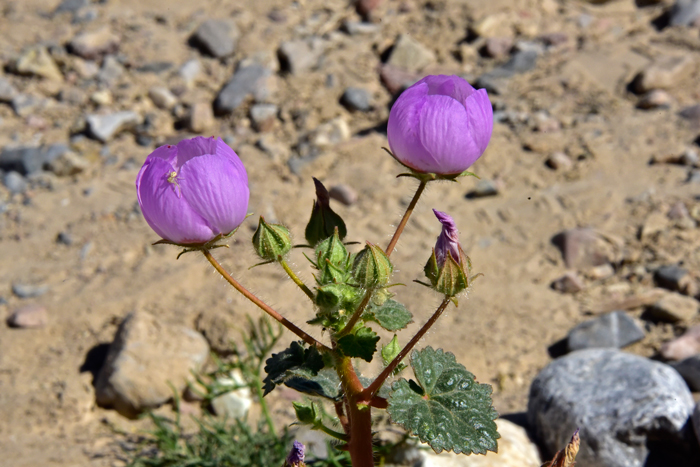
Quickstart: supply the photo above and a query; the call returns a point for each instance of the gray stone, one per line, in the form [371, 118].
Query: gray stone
[94, 44]
[300, 56]
[7, 91]
[689, 157]
[674, 308]
[105, 127]
[582, 248]
[356, 99]
[157, 67]
[691, 112]
[673, 277]
[190, 71]
[14, 182]
[497, 47]
[683, 346]
[520, 62]
[145, 359]
[492, 84]
[655, 99]
[664, 73]
[64, 238]
[28, 317]
[397, 79]
[484, 188]
[559, 161]
[28, 290]
[162, 97]
[30, 160]
[37, 61]
[618, 401]
[26, 104]
[217, 38]
[246, 81]
[71, 6]
[330, 133]
[684, 12]
[110, 71]
[263, 116]
[409, 54]
[689, 369]
[612, 330]
[343, 194]
[236, 402]
[568, 283]
[357, 28]
[67, 164]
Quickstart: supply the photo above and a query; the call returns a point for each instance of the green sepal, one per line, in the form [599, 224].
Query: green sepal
[453, 277]
[428, 176]
[336, 303]
[361, 343]
[390, 352]
[291, 362]
[332, 260]
[445, 407]
[271, 241]
[190, 247]
[391, 315]
[371, 267]
[323, 219]
[306, 414]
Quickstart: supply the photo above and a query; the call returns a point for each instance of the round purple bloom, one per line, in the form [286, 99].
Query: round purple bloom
[440, 125]
[448, 241]
[194, 191]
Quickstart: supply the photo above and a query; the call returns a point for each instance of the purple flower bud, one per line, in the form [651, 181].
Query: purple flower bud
[296, 455]
[440, 125]
[194, 191]
[448, 241]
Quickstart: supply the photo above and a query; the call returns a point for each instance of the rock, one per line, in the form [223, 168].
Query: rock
[521, 62]
[691, 113]
[582, 248]
[492, 26]
[613, 330]
[7, 91]
[678, 211]
[277, 150]
[356, 99]
[236, 402]
[263, 116]
[343, 194]
[559, 161]
[689, 157]
[105, 127]
[26, 104]
[14, 182]
[409, 54]
[674, 308]
[684, 13]
[111, 71]
[64, 238]
[664, 73]
[72, 96]
[397, 79]
[689, 369]
[70, 6]
[514, 450]
[95, 44]
[655, 99]
[300, 56]
[246, 81]
[492, 84]
[683, 346]
[30, 160]
[102, 97]
[145, 359]
[654, 224]
[553, 39]
[190, 71]
[330, 133]
[37, 61]
[28, 290]
[219, 329]
[67, 164]
[217, 38]
[358, 28]
[674, 278]
[600, 272]
[200, 117]
[484, 188]
[28, 317]
[618, 401]
[568, 283]
[162, 97]
[155, 67]
[497, 47]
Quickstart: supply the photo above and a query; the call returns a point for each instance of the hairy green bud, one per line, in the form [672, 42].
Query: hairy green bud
[371, 268]
[271, 240]
[452, 277]
[306, 414]
[332, 259]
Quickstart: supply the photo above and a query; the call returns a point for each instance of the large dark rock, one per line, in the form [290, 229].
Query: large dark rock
[246, 81]
[614, 330]
[627, 407]
[29, 160]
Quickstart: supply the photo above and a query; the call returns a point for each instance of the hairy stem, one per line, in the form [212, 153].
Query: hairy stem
[356, 315]
[264, 306]
[369, 392]
[404, 220]
[332, 433]
[295, 278]
[342, 417]
[359, 416]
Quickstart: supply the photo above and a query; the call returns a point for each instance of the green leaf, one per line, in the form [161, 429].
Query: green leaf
[446, 408]
[324, 384]
[293, 361]
[390, 352]
[362, 343]
[391, 315]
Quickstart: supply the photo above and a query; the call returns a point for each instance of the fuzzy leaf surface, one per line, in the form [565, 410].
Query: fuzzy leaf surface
[324, 384]
[292, 361]
[446, 408]
[362, 344]
[391, 315]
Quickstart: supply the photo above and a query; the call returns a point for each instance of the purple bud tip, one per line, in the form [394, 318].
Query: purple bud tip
[448, 241]
[296, 455]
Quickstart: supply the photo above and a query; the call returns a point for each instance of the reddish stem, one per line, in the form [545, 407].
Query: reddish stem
[359, 416]
[404, 220]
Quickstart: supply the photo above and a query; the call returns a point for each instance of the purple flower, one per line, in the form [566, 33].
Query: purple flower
[194, 191]
[296, 455]
[448, 241]
[440, 125]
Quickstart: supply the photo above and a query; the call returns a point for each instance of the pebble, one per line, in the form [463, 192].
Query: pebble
[263, 116]
[330, 133]
[409, 54]
[684, 13]
[246, 81]
[219, 329]
[28, 290]
[356, 99]
[102, 97]
[618, 401]
[111, 70]
[155, 67]
[235, 403]
[67, 164]
[521, 62]
[655, 99]
[162, 97]
[674, 308]
[484, 188]
[691, 113]
[28, 317]
[146, 359]
[689, 369]
[553, 39]
[7, 90]
[358, 28]
[64, 238]
[664, 73]
[497, 47]
[674, 278]
[614, 330]
[272, 147]
[300, 56]
[217, 38]
[190, 71]
[397, 79]
[105, 127]
[492, 26]
[37, 61]
[343, 194]
[582, 248]
[200, 117]
[26, 104]
[559, 161]
[28, 160]
[70, 6]
[683, 346]
[14, 182]
[95, 44]
[72, 96]
[568, 283]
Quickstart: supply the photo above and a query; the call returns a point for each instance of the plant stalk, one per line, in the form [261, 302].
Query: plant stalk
[264, 306]
[295, 278]
[359, 416]
[356, 315]
[404, 220]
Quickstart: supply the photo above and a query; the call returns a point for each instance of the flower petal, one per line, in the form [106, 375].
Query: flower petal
[223, 149]
[480, 114]
[164, 209]
[217, 190]
[193, 147]
[453, 86]
[167, 152]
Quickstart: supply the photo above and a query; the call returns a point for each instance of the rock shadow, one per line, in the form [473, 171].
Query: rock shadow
[94, 360]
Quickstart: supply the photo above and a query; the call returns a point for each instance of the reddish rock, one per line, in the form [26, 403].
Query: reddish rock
[683, 346]
[28, 317]
[568, 283]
